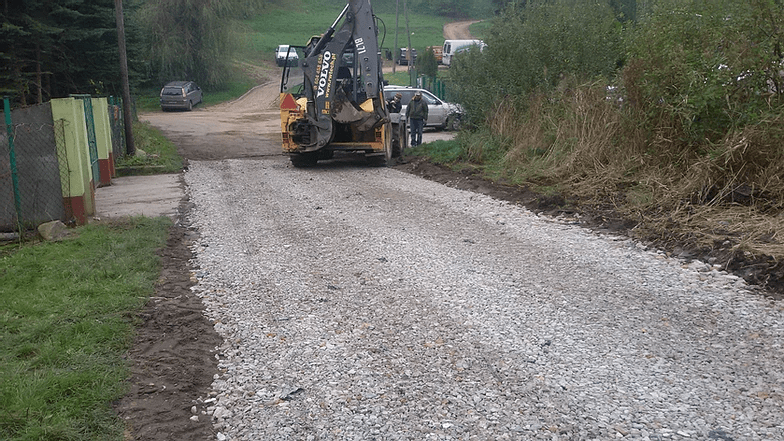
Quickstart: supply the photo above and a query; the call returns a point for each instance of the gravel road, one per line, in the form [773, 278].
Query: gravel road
[364, 303]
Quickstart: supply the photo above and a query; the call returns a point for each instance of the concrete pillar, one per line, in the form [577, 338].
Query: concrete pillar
[78, 187]
[103, 140]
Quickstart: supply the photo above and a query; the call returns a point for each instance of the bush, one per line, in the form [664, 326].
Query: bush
[427, 63]
[705, 67]
[533, 48]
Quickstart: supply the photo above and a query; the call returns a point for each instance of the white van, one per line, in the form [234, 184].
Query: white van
[451, 47]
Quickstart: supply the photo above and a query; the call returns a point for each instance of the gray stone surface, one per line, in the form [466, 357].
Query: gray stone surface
[363, 303]
[54, 230]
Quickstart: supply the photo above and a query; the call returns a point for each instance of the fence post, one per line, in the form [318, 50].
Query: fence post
[92, 147]
[12, 157]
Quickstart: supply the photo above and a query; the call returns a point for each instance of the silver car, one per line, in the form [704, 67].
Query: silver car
[180, 95]
[284, 55]
[440, 114]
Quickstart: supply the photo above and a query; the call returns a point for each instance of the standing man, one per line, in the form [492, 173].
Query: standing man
[416, 113]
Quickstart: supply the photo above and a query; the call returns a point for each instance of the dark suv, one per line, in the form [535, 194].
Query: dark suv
[180, 95]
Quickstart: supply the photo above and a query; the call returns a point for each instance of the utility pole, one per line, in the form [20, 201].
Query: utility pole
[409, 55]
[130, 146]
[395, 49]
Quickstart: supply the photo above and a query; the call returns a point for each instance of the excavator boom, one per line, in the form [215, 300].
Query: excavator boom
[342, 105]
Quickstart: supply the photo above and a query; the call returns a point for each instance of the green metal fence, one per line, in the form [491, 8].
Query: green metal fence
[92, 146]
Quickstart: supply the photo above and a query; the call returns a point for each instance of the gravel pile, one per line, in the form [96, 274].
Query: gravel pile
[367, 304]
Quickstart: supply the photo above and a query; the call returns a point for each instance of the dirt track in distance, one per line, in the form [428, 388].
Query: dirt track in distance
[459, 30]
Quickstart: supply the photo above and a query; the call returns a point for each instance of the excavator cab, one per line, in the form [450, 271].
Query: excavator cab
[293, 84]
[340, 105]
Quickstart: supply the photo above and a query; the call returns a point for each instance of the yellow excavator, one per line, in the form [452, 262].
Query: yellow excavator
[334, 99]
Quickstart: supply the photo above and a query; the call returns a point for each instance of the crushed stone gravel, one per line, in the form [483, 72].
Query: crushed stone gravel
[362, 303]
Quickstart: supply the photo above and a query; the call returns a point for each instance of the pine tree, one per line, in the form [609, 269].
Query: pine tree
[52, 48]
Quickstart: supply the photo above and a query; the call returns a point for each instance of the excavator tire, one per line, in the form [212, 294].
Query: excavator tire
[399, 139]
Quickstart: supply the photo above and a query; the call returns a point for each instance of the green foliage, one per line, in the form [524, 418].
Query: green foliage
[440, 152]
[533, 48]
[160, 155]
[190, 39]
[704, 67]
[65, 324]
[51, 48]
[625, 10]
[426, 63]
[481, 149]
[694, 118]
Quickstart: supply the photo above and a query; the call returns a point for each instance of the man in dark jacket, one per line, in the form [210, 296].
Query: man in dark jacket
[416, 113]
[394, 105]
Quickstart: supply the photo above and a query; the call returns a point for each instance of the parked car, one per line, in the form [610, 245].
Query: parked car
[180, 95]
[441, 115]
[402, 56]
[281, 54]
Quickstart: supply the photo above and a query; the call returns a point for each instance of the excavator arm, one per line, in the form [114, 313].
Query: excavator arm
[342, 78]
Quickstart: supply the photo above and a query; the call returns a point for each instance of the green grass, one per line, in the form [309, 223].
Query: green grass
[480, 29]
[294, 25]
[440, 152]
[160, 154]
[147, 99]
[401, 77]
[233, 90]
[66, 319]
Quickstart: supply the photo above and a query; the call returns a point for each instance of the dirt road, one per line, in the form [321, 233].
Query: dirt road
[175, 356]
[459, 30]
[364, 303]
[248, 127]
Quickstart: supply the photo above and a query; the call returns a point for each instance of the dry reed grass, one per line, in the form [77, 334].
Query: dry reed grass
[593, 146]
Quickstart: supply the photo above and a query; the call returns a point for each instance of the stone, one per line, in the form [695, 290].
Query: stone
[53, 231]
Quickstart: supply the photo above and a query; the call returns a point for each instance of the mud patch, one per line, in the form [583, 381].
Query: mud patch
[173, 359]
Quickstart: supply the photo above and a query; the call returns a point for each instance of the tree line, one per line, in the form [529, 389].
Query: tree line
[52, 48]
[55, 47]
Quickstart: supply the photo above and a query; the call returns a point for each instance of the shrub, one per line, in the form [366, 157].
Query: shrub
[703, 68]
[533, 48]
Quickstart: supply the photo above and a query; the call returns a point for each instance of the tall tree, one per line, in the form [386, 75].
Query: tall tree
[191, 39]
[52, 48]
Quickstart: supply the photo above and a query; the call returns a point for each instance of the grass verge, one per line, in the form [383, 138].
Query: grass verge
[67, 313]
[155, 153]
